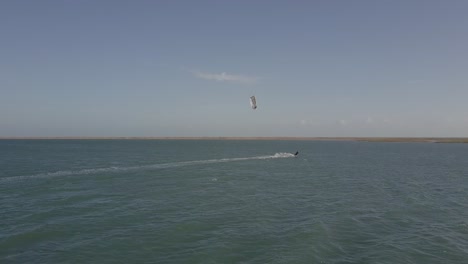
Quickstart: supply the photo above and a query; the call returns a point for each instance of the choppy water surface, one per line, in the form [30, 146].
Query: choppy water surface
[163, 201]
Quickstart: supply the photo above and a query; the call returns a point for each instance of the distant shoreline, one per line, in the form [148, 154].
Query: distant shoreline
[367, 139]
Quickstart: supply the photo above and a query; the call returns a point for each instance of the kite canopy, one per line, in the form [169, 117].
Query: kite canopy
[253, 102]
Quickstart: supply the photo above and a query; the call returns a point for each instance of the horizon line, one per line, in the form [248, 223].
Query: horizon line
[371, 139]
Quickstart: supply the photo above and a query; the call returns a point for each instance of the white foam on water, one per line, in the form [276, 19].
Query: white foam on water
[136, 168]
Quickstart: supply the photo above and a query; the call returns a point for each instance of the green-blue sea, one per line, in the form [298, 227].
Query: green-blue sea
[232, 201]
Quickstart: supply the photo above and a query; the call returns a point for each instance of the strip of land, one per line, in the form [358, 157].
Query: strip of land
[368, 139]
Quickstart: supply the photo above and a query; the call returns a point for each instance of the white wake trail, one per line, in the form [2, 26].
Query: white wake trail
[142, 167]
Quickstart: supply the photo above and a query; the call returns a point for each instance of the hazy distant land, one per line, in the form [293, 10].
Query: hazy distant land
[368, 139]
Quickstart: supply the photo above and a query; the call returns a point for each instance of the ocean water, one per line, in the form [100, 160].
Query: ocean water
[176, 201]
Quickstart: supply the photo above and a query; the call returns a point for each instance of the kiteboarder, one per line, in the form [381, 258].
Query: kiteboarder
[297, 152]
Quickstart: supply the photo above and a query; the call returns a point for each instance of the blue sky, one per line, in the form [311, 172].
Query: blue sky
[188, 68]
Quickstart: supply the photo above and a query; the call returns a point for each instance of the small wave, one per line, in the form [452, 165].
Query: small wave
[136, 168]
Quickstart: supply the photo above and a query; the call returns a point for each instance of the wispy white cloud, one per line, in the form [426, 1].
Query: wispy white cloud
[224, 77]
[343, 122]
